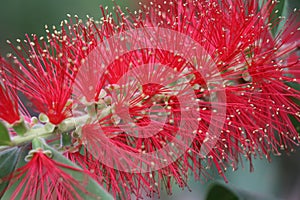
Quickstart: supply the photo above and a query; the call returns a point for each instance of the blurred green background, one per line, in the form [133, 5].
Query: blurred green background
[18, 17]
[278, 180]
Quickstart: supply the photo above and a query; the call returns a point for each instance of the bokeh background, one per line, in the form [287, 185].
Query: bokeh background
[279, 179]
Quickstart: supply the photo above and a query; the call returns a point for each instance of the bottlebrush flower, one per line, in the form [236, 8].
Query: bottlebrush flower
[44, 178]
[238, 36]
[45, 78]
[143, 98]
[136, 134]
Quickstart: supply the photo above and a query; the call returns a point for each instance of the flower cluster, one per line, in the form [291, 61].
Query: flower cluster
[140, 100]
[50, 180]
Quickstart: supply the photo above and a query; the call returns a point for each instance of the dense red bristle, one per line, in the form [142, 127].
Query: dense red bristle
[9, 105]
[237, 36]
[254, 67]
[45, 80]
[44, 178]
[119, 183]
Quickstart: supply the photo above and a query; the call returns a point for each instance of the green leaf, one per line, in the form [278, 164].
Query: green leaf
[280, 9]
[4, 135]
[294, 85]
[10, 159]
[294, 120]
[218, 191]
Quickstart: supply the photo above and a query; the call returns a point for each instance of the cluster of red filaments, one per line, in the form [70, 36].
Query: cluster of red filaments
[140, 109]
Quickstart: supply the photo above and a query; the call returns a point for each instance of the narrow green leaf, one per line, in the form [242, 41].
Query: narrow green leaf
[4, 135]
[279, 10]
[8, 160]
[294, 120]
[294, 85]
[218, 191]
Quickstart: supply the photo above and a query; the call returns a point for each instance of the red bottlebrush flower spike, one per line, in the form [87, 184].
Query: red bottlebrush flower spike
[9, 109]
[44, 178]
[250, 81]
[46, 80]
[252, 63]
[133, 125]
[155, 108]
